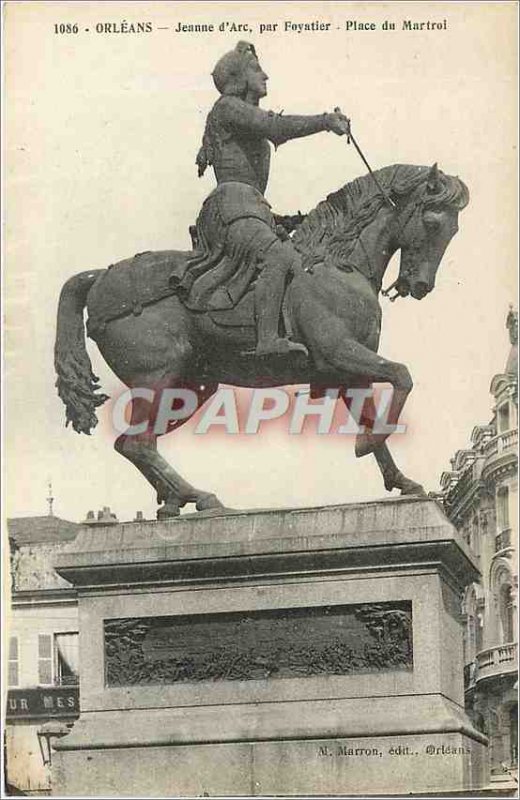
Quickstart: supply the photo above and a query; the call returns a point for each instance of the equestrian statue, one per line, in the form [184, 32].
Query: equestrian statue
[260, 300]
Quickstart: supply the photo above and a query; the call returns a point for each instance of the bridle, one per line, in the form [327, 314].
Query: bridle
[410, 210]
[402, 225]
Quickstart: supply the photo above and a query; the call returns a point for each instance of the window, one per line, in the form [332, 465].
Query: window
[503, 418]
[513, 735]
[479, 639]
[66, 658]
[470, 638]
[13, 664]
[473, 627]
[506, 614]
[503, 508]
[45, 659]
[473, 636]
[475, 538]
[466, 534]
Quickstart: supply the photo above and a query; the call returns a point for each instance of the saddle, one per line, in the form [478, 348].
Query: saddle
[130, 285]
[127, 287]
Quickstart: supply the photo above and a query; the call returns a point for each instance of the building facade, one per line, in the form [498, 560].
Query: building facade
[42, 648]
[480, 496]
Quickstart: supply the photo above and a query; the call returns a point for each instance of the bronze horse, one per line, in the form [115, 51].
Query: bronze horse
[331, 307]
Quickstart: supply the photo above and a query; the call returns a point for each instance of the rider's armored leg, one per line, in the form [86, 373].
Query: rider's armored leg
[279, 262]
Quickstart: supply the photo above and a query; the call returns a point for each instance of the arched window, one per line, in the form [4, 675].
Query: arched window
[502, 620]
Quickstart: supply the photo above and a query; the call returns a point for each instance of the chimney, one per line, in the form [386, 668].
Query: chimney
[104, 517]
[138, 516]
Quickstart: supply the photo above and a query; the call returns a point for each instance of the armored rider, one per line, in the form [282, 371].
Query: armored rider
[237, 241]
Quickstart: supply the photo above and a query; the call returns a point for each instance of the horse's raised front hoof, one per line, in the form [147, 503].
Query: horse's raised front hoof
[208, 502]
[169, 510]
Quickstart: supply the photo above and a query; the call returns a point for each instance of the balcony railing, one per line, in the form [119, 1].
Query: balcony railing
[499, 444]
[503, 540]
[497, 661]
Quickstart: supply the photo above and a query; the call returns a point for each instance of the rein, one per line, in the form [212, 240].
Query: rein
[350, 138]
[388, 200]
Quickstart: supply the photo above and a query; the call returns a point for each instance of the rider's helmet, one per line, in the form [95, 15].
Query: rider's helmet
[229, 74]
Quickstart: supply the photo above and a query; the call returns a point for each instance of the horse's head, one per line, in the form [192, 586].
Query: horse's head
[427, 221]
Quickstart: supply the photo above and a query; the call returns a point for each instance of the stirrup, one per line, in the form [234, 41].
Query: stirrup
[278, 347]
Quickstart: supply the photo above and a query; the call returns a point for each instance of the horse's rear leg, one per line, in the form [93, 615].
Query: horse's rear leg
[141, 449]
[392, 476]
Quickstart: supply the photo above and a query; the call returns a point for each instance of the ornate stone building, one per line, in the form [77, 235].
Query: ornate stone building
[480, 497]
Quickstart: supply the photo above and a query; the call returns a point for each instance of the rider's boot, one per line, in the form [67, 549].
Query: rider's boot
[269, 292]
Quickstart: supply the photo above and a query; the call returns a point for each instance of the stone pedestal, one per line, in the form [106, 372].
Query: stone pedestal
[305, 651]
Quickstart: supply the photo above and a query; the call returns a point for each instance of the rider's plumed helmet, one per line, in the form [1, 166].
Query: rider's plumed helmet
[229, 73]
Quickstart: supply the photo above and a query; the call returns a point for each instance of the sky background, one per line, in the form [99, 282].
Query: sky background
[102, 132]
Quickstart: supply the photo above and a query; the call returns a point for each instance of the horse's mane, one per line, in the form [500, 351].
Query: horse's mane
[334, 226]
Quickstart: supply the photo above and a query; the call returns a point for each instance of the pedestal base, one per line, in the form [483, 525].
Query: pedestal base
[291, 652]
[388, 765]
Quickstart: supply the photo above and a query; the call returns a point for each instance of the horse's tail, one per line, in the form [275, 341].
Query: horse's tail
[76, 383]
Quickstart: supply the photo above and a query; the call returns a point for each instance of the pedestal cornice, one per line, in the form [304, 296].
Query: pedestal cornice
[200, 547]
